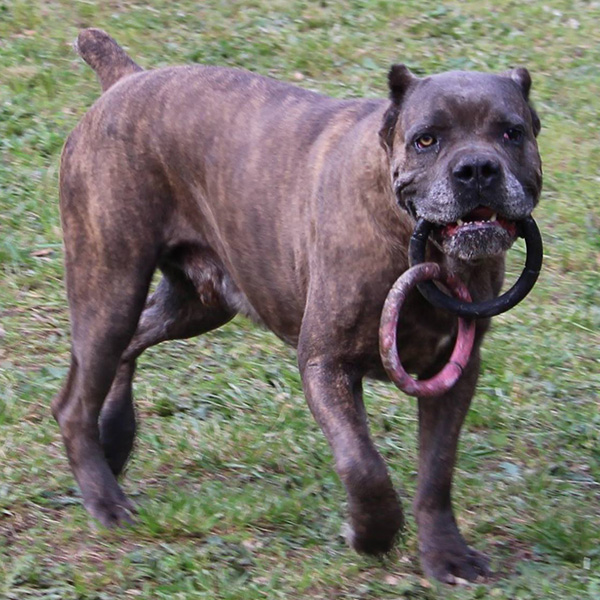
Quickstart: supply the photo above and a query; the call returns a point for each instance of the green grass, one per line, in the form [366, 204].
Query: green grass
[234, 481]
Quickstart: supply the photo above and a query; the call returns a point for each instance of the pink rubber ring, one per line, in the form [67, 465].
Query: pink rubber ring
[449, 375]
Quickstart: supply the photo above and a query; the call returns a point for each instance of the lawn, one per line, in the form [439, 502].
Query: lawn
[235, 484]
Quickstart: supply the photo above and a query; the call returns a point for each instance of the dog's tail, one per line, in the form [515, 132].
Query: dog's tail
[105, 56]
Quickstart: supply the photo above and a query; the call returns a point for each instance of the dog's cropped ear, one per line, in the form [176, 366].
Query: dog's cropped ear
[522, 78]
[400, 79]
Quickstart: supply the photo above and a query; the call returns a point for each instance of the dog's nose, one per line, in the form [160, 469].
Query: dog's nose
[477, 172]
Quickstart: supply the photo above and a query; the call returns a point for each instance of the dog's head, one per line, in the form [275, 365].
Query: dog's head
[463, 155]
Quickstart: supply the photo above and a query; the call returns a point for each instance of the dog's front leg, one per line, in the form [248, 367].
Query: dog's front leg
[444, 553]
[334, 394]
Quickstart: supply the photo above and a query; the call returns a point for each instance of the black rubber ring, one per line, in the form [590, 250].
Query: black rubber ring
[527, 229]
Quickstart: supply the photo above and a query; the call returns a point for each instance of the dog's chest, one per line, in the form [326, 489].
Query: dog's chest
[425, 343]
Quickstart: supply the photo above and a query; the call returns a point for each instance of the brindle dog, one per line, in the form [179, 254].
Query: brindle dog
[254, 196]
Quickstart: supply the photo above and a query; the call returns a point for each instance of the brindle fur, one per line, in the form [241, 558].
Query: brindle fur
[255, 196]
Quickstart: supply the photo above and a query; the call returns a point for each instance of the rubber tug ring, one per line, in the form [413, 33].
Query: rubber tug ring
[449, 375]
[527, 229]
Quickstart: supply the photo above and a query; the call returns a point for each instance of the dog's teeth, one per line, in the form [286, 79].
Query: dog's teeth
[494, 217]
[460, 222]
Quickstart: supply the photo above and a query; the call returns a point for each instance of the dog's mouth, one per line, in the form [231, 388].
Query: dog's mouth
[479, 234]
[478, 220]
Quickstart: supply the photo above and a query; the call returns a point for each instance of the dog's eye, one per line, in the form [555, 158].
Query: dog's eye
[514, 135]
[425, 141]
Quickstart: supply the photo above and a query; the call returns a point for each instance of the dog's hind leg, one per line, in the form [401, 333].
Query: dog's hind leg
[113, 236]
[187, 302]
[106, 296]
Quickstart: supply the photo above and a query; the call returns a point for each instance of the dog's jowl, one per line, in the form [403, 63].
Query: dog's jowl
[254, 196]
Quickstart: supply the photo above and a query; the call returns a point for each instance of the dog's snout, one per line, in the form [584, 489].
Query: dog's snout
[477, 172]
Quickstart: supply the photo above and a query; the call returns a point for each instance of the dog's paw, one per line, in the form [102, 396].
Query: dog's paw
[456, 566]
[368, 544]
[112, 514]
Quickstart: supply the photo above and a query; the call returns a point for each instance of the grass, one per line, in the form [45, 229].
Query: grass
[235, 483]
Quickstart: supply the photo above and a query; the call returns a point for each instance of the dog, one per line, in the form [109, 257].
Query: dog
[257, 197]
